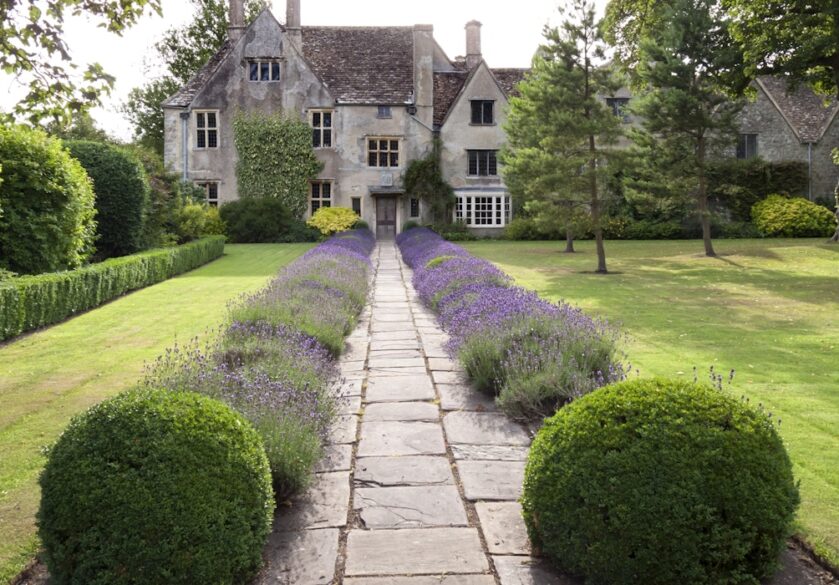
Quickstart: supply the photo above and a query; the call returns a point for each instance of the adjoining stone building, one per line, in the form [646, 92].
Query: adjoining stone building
[376, 98]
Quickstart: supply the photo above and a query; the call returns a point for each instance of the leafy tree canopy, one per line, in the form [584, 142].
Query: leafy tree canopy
[32, 46]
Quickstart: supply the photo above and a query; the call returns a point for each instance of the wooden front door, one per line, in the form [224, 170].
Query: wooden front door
[385, 218]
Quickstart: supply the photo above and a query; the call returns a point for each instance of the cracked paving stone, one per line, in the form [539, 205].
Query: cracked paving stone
[409, 507]
[503, 528]
[476, 428]
[406, 411]
[323, 505]
[385, 439]
[491, 480]
[305, 557]
[415, 551]
[528, 571]
[399, 389]
[403, 471]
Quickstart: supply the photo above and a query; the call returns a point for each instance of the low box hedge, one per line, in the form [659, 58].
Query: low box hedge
[29, 302]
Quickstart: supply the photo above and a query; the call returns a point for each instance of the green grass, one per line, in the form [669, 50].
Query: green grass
[50, 375]
[767, 308]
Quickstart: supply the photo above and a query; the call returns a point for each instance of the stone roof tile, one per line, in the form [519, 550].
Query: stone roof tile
[509, 79]
[187, 93]
[808, 113]
[447, 86]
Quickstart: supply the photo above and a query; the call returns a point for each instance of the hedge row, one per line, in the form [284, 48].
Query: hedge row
[29, 302]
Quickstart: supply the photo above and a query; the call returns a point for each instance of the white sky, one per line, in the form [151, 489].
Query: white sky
[511, 33]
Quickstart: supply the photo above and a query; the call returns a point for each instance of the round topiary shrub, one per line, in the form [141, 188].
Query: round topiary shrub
[155, 487]
[122, 195]
[779, 216]
[657, 482]
[47, 221]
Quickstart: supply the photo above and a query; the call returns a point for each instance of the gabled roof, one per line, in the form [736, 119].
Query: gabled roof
[187, 93]
[807, 113]
[447, 86]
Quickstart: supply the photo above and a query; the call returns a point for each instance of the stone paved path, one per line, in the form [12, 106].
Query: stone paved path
[422, 476]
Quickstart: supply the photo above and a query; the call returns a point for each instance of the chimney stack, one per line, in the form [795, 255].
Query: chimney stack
[236, 24]
[292, 16]
[473, 44]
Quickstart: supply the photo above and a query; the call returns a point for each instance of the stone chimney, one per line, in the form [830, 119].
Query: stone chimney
[424, 72]
[473, 44]
[236, 24]
[292, 14]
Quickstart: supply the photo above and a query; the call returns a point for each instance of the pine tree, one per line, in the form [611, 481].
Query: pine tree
[561, 133]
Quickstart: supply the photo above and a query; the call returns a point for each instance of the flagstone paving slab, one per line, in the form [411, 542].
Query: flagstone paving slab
[428, 580]
[476, 428]
[489, 452]
[343, 430]
[503, 527]
[450, 378]
[324, 505]
[335, 458]
[491, 480]
[415, 551]
[463, 397]
[444, 365]
[409, 507]
[389, 372]
[399, 388]
[305, 557]
[406, 411]
[386, 439]
[380, 362]
[528, 571]
[392, 335]
[396, 471]
[401, 344]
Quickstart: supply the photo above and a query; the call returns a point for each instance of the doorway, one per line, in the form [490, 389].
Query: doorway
[385, 218]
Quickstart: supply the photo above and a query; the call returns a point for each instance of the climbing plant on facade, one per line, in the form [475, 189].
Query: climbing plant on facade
[276, 158]
[423, 180]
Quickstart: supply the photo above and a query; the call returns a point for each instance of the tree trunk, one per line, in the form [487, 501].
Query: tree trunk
[595, 207]
[702, 199]
[835, 238]
[569, 240]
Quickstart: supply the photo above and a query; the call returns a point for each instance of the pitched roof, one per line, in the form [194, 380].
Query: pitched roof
[806, 112]
[509, 79]
[187, 93]
[363, 65]
[447, 86]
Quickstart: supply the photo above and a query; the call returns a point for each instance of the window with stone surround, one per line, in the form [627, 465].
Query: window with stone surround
[618, 107]
[321, 195]
[747, 146]
[321, 128]
[383, 152]
[206, 125]
[210, 192]
[264, 71]
[356, 205]
[482, 163]
[483, 112]
[483, 209]
[415, 208]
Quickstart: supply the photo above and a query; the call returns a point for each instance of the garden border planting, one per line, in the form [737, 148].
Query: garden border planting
[533, 355]
[30, 302]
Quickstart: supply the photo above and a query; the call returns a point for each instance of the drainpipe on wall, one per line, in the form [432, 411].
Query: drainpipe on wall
[185, 144]
[810, 171]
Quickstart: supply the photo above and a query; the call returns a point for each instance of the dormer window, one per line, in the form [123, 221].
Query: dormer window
[483, 112]
[264, 70]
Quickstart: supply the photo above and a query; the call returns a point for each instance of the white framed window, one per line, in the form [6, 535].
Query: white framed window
[482, 163]
[206, 128]
[210, 192]
[483, 209]
[263, 71]
[383, 152]
[320, 195]
[321, 128]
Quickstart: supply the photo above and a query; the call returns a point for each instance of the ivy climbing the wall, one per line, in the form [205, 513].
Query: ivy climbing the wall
[424, 180]
[276, 159]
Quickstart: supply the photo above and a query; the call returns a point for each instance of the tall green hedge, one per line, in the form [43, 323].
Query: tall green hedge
[47, 223]
[122, 195]
[30, 302]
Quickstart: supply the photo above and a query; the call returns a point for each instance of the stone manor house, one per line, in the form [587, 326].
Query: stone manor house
[377, 97]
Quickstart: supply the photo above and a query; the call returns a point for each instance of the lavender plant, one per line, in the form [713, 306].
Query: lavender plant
[533, 354]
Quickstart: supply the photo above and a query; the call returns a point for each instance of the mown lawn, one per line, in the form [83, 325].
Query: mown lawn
[767, 308]
[48, 376]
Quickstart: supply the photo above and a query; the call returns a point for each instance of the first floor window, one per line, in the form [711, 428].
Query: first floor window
[415, 207]
[322, 128]
[482, 112]
[356, 205]
[383, 152]
[384, 112]
[482, 163]
[321, 195]
[264, 71]
[618, 107]
[206, 124]
[747, 146]
[483, 209]
[211, 192]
